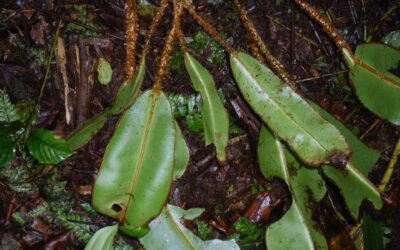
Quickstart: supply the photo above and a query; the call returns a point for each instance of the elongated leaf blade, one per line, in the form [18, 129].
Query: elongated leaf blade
[291, 118]
[215, 118]
[6, 150]
[136, 173]
[102, 239]
[168, 233]
[129, 90]
[46, 148]
[375, 86]
[295, 230]
[352, 180]
[85, 132]
[182, 154]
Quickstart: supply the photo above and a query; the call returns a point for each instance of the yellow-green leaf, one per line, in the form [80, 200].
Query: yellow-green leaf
[104, 71]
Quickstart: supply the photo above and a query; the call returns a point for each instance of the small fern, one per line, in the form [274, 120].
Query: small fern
[76, 224]
[8, 112]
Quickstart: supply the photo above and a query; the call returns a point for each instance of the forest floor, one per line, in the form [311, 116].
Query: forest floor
[95, 29]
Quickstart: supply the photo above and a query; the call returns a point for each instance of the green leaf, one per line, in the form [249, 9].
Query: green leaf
[8, 112]
[372, 233]
[136, 173]
[182, 154]
[376, 87]
[46, 148]
[392, 39]
[215, 118]
[84, 133]
[296, 229]
[102, 239]
[104, 71]
[6, 150]
[129, 90]
[352, 181]
[168, 233]
[290, 117]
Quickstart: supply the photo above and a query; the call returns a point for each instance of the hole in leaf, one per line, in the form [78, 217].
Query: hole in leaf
[117, 208]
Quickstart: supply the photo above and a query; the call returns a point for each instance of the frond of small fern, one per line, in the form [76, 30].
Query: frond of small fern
[76, 224]
[8, 112]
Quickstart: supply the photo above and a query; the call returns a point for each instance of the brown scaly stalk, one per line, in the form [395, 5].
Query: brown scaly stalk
[207, 27]
[168, 47]
[276, 65]
[156, 20]
[254, 49]
[325, 24]
[179, 33]
[131, 34]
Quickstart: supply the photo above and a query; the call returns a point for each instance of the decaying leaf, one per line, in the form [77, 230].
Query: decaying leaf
[168, 233]
[352, 179]
[307, 187]
[314, 140]
[136, 173]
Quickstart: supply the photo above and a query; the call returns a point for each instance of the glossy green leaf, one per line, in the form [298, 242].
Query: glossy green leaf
[136, 173]
[129, 90]
[168, 233]
[215, 118]
[376, 87]
[87, 130]
[104, 71]
[182, 154]
[103, 239]
[352, 181]
[6, 150]
[296, 229]
[46, 148]
[314, 140]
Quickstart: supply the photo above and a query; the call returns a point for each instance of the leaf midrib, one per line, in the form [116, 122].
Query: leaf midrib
[277, 106]
[139, 163]
[208, 99]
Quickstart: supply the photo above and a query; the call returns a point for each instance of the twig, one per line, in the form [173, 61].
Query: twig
[46, 76]
[321, 76]
[131, 34]
[390, 168]
[65, 19]
[376, 123]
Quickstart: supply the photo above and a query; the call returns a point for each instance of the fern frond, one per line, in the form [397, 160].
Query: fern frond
[8, 112]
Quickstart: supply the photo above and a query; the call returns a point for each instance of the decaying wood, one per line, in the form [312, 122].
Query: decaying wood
[61, 66]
